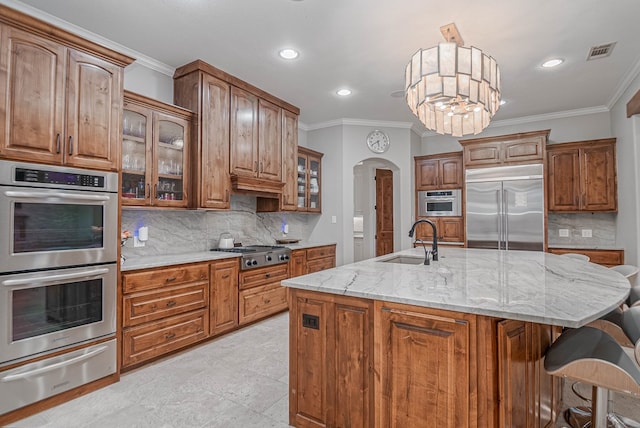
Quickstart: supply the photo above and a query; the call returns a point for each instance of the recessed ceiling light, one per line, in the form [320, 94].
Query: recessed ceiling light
[344, 92]
[503, 102]
[552, 62]
[288, 53]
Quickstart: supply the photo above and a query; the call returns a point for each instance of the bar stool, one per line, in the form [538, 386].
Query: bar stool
[629, 271]
[593, 356]
[577, 256]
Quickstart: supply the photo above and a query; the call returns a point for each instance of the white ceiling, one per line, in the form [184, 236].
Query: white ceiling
[365, 45]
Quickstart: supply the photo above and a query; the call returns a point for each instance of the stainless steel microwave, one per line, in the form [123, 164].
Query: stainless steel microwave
[434, 203]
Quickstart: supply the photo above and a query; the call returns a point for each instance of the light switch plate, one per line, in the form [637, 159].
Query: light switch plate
[586, 233]
[564, 233]
[137, 243]
[334, 219]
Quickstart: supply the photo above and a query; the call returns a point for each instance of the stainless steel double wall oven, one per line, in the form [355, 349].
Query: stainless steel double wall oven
[58, 278]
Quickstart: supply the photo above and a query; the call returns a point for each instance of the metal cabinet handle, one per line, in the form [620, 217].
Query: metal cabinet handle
[54, 366]
[58, 143]
[70, 145]
[171, 279]
[256, 166]
[225, 276]
[169, 336]
[171, 303]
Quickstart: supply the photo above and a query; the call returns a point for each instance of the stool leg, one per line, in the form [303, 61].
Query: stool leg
[599, 398]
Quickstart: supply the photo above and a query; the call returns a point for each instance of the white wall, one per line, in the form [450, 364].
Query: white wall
[344, 146]
[147, 82]
[627, 132]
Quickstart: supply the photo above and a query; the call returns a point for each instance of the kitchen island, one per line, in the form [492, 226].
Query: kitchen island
[389, 343]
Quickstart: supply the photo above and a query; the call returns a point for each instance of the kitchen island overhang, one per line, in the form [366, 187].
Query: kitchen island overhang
[457, 343]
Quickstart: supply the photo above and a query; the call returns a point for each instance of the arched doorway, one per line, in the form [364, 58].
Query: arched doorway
[364, 215]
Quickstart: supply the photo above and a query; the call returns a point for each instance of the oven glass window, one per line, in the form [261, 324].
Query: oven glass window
[54, 227]
[41, 310]
[440, 206]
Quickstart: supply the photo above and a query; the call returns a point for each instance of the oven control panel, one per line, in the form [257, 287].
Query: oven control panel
[58, 177]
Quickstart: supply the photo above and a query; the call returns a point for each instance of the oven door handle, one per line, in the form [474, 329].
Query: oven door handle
[86, 274]
[41, 195]
[54, 366]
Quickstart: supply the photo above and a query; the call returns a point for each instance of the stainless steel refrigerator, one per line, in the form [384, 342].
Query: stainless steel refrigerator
[505, 207]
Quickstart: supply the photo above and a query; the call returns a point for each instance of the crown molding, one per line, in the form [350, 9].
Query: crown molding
[624, 84]
[356, 122]
[141, 59]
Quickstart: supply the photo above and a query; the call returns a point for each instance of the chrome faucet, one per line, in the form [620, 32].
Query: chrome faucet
[434, 247]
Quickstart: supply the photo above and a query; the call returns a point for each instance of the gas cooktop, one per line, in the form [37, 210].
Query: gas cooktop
[255, 256]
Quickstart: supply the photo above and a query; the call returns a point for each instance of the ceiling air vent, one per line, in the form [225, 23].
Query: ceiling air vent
[602, 51]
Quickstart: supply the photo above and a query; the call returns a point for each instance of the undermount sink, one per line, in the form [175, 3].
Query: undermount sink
[405, 260]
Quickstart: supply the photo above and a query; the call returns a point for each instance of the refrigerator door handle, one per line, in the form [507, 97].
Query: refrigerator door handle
[500, 220]
[505, 215]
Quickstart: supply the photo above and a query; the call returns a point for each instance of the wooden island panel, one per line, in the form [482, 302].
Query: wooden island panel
[364, 363]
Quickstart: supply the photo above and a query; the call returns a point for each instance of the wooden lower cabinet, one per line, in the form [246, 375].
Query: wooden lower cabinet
[450, 229]
[606, 258]
[163, 310]
[363, 363]
[424, 360]
[261, 294]
[528, 396]
[151, 340]
[331, 381]
[310, 260]
[223, 300]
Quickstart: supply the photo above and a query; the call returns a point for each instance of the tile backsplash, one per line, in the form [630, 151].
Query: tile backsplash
[182, 231]
[602, 226]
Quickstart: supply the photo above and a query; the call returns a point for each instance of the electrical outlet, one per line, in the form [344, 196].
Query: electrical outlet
[137, 243]
[334, 219]
[564, 233]
[586, 233]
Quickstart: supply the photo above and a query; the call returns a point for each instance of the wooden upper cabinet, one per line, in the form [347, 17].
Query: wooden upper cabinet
[582, 176]
[241, 133]
[269, 141]
[441, 171]
[244, 133]
[288, 200]
[94, 104]
[512, 149]
[210, 98]
[60, 105]
[156, 148]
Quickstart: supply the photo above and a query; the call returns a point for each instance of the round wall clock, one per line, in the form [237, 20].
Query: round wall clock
[378, 141]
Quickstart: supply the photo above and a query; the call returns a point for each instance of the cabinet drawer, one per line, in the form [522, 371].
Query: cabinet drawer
[158, 338]
[321, 264]
[260, 302]
[602, 257]
[320, 252]
[152, 305]
[155, 278]
[262, 276]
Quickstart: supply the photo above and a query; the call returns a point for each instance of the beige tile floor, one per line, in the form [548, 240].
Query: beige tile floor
[236, 381]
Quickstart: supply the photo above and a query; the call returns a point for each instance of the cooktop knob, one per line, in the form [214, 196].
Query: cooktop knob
[248, 262]
[268, 258]
[254, 262]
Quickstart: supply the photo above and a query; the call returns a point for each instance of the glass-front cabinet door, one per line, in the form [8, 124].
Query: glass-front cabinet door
[155, 144]
[309, 180]
[136, 151]
[302, 182]
[169, 160]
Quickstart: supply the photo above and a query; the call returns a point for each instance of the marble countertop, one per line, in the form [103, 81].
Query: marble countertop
[144, 262]
[151, 261]
[520, 285]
